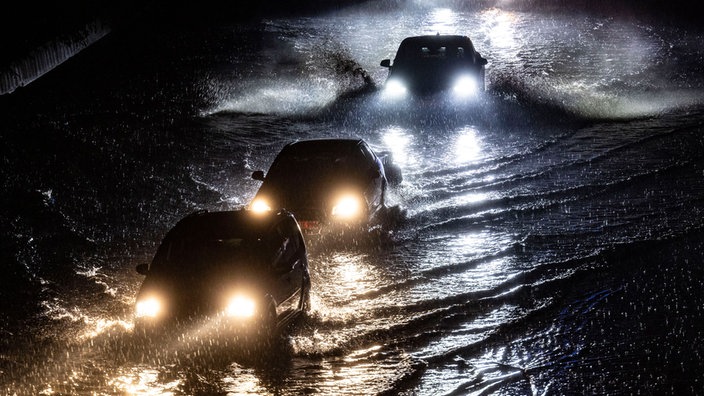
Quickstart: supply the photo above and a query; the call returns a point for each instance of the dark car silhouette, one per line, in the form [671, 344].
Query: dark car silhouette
[435, 63]
[327, 183]
[246, 271]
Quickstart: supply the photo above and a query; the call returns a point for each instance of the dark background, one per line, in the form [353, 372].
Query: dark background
[29, 25]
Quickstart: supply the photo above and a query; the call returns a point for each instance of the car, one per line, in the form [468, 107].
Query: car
[245, 272]
[333, 184]
[429, 64]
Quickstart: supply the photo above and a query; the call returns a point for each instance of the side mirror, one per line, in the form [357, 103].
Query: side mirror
[142, 269]
[482, 61]
[258, 175]
[385, 63]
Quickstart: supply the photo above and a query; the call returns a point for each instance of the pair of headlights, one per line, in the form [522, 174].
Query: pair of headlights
[464, 86]
[237, 307]
[346, 207]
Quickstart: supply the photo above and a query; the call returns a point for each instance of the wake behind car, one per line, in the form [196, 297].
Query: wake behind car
[432, 64]
[335, 184]
[237, 270]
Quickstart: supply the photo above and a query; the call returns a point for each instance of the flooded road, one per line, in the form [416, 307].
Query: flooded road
[551, 236]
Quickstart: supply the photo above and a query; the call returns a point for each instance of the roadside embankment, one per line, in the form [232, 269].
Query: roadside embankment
[22, 71]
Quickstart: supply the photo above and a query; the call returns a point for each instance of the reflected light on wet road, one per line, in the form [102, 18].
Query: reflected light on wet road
[500, 24]
[397, 140]
[457, 267]
[144, 382]
[472, 198]
[469, 244]
[443, 21]
[529, 226]
[97, 326]
[471, 332]
[242, 382]
[486, 372]
[346, 276]
[352, 276]
[467, 146]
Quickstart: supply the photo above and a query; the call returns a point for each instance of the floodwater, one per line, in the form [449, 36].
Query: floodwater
[550, 242]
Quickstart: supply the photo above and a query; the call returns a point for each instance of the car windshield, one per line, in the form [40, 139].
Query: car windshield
[434, 50]
[312, 167]
[186, 255]
[428, 53]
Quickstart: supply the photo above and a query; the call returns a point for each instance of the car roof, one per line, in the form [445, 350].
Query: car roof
[449, 39]
[409, 45]
[312, 146]
[239, 223]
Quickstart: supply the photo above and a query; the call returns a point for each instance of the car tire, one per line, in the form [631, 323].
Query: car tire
[268, 320]
[305, 295]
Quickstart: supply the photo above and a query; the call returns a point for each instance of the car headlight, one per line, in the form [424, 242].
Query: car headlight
[148, 308]
[347, 207]
[241, 307]
[394, 89]
[260, 205]
[465, 86]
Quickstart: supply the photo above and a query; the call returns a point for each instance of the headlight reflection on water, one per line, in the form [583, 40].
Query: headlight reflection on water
[98, 326]
[242, 381]
[443, 21]
[485, 371]
[355, 373]
[347, 277]
[145, 382]
[467, 147]
[398, 140]
[458, 265]
[499, 25]
[92, 325]
[352, 276]
[472, 332]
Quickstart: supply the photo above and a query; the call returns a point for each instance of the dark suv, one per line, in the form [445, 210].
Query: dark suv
[435, 63]
[327, 182]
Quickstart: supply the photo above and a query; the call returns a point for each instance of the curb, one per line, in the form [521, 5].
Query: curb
[49, 55]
